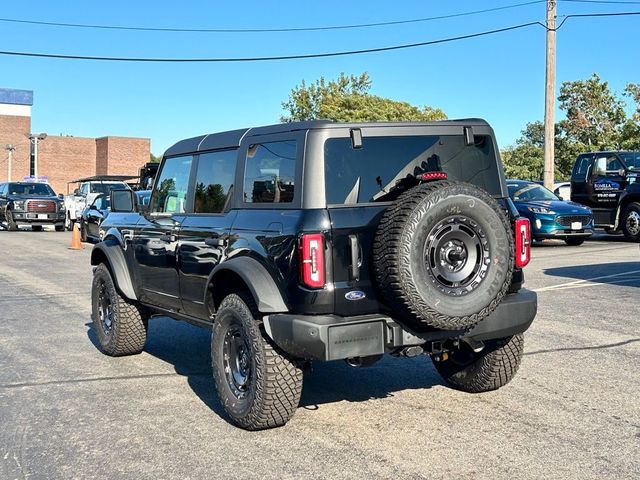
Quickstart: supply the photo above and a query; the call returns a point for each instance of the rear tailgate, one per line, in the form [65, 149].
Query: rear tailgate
[352, 232]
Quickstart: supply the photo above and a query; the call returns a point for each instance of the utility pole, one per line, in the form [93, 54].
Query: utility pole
[10, 149]
[549, 96]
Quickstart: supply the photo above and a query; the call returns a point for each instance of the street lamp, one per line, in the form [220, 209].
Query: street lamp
[35, 137]
[10, 149]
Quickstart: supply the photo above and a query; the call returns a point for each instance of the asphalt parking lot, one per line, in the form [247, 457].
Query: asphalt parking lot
[67, 411]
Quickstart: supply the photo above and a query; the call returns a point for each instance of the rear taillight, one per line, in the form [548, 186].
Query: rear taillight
[523, 242]
[312, 269]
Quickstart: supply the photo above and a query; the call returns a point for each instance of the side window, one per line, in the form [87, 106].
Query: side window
[170, 195]
[3, 189]
[84, 189]
[581, 168]
[269, 174]
[214, 180]
[607, 165]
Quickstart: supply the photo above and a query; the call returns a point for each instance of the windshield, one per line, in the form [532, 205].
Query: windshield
[530, 192]
[384, 166]
[40, 189]
[631, 159]
[106, 187]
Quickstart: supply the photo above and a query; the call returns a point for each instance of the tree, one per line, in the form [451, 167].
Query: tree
[154, 159]
[595, 115]
[347, 99]
[631, 128]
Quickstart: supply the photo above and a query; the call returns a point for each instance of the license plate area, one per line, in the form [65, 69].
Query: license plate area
[42, 216]
[576, 225]
[356, 340]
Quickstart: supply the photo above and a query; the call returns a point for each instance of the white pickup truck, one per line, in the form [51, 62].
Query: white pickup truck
[85, 192]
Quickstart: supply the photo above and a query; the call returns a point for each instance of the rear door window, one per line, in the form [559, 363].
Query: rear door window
[368, 174]
[214, 180]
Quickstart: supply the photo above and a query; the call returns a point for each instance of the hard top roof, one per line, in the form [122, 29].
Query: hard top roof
[232, 138]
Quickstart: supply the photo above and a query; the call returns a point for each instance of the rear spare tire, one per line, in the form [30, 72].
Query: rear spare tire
[443, 255]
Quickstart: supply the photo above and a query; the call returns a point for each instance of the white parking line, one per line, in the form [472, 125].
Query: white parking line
[583, 283]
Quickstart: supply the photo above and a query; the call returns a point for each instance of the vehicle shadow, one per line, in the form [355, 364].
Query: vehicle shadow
[619, 273]
[188, 349]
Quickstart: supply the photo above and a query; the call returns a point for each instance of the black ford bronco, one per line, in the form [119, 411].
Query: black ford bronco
[322, 241]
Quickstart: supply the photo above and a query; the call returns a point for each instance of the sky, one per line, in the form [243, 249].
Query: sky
[498, 77]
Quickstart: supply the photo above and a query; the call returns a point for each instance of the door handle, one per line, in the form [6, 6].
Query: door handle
[168, 238]
[215, 242]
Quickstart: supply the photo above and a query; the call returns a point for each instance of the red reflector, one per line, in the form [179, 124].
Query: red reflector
[426, 177]
[523, 242]
[312, 271]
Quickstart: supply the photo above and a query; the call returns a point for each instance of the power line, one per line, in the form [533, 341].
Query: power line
[584, 15]
[269, 58]
[309, 55]
[603, 2]
[267, 30]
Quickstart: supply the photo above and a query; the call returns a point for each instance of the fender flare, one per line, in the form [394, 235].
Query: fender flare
[112, 251]
[261, 284]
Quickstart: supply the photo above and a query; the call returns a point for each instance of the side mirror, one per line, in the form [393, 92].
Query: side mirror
[122, 201]
[76, 192]
[61, 196]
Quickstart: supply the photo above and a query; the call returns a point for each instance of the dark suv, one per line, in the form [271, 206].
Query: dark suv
[32, 204]
[322, 241]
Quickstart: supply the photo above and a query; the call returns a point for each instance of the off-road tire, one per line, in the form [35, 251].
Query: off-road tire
[275, 379]
[631, 229]
[487, 370]
[574, 242]
[36, 228]
[400, 264]
[128, 325]
[11, 224]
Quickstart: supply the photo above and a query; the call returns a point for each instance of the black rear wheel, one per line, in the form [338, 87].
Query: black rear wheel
[84, 237]
[489, 369]
[258, 385]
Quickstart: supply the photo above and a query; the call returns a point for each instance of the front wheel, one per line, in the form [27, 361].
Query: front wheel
[258, 385]
[59, 228]
[631, 221]
[84, 237]
[11, 223]
[121, 325]
[574, 242]
[487, 370]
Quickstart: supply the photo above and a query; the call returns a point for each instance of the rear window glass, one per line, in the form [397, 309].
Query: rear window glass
[369, 173]
[269, 175]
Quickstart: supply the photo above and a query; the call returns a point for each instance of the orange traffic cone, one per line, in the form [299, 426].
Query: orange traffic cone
[76, 244]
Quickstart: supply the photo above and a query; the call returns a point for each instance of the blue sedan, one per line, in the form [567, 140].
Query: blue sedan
[550, 216]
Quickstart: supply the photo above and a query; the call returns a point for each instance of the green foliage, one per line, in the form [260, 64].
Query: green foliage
[347, 99]
[595, 120]
[154, 159]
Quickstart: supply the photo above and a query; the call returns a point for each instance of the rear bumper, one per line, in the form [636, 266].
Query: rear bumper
[331, 337]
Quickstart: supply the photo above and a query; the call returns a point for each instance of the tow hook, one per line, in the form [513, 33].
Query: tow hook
[476, 345]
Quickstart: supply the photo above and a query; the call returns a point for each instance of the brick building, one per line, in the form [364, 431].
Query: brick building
[60, 159]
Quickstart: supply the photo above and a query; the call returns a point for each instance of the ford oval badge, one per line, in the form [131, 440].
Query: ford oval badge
[354, 295]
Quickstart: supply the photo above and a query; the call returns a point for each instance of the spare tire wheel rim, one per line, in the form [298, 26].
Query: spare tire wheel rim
[457, 255]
